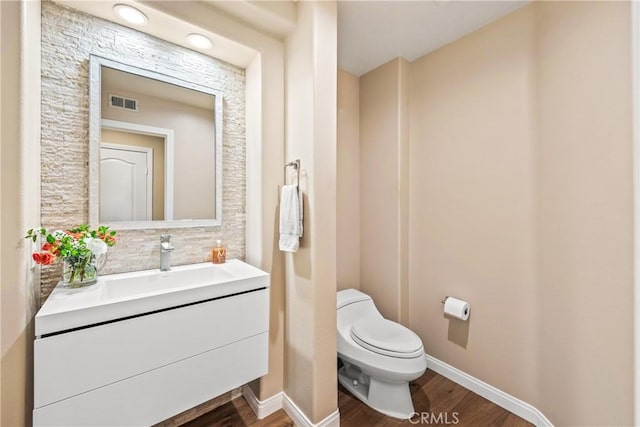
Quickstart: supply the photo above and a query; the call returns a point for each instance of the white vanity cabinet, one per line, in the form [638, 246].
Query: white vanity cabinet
[150, 365]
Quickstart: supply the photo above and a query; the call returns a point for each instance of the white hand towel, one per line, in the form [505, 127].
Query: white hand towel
[290, 218]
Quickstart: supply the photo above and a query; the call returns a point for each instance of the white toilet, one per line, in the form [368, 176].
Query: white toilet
[380, 357]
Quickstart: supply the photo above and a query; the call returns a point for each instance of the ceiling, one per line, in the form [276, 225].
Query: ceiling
[371, 33]
[172, 21]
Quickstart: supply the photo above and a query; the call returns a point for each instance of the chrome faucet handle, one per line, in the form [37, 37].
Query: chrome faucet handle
[165, 243]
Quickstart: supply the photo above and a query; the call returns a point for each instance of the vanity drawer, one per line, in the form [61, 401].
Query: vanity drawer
[154, 396]
[76, 362]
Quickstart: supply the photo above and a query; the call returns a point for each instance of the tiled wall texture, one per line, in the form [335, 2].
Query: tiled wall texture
[68, 40]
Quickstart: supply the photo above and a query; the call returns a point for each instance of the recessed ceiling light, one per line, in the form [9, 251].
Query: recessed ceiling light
[199, 41]
[130, 14]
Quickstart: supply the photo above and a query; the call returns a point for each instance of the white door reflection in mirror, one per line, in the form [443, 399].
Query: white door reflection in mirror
[126, 174]
[160, 141]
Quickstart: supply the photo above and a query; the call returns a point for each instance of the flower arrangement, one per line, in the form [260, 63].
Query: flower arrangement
[79, 248]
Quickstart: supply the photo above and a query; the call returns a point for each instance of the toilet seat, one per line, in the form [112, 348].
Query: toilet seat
[388, 338]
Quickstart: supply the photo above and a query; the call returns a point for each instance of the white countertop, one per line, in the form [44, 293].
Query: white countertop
[118, 296]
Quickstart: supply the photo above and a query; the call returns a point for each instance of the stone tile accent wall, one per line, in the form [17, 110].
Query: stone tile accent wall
[68, 39]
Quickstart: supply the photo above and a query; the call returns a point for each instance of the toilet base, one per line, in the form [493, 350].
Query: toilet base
[392, 399]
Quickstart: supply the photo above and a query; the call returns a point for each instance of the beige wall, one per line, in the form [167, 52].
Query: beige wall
[520, 202]
[384, 187]
[585, 212]
[472, 203]
[311, 104]
[156, 143]
[348, 182]
[19, 198]
[194, 149]
[265, 154]
[2, 178]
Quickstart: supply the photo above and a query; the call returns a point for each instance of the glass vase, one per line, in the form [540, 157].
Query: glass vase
[78, 272]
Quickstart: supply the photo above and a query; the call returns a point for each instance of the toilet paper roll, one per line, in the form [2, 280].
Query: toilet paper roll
[457, 308]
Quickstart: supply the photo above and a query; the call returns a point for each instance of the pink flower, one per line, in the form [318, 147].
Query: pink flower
[48, 247]
[44, 258]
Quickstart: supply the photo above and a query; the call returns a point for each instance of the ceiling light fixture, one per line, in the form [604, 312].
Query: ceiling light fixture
[130, 14]
[199, 41]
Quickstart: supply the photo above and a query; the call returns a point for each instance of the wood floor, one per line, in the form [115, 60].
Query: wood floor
[441, 402]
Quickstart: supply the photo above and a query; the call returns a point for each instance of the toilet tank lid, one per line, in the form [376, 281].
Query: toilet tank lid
[349, 296]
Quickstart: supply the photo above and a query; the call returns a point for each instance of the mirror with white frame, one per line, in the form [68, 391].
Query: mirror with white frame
[155, 149]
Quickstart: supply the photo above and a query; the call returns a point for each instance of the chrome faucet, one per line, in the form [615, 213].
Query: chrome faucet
[165, 252]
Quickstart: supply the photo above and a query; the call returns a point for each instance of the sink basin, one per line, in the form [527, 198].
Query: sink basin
[160, 281]
[125, 295]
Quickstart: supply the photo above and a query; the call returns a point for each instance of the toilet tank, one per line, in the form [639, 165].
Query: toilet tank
[353, 305]
[350, 296]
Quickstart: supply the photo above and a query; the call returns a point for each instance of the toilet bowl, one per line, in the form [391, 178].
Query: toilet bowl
[379, 356]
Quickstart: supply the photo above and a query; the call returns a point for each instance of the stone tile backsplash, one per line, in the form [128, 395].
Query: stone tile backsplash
[68, 39]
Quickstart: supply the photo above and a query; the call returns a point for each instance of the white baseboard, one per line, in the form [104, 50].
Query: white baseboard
[301, 420]
[489, 392]
[262, 408]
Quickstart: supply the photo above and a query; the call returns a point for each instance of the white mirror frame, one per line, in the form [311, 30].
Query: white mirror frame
[95, 124]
